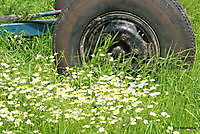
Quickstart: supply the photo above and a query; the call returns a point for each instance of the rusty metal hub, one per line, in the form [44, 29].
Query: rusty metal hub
[134, 36]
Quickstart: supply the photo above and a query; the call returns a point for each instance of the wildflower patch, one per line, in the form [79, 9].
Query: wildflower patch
[84, 98]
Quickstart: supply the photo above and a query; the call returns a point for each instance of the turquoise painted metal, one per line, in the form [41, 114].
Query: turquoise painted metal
[23, 26]
[33, 28]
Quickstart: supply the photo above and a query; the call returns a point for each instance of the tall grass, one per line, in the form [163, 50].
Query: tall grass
[35, 99]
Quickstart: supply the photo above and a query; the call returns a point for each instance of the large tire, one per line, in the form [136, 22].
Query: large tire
[166, 18]
[59, 4]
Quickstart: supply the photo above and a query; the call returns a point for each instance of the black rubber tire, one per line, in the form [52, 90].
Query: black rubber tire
[166, 17]
[59, 4]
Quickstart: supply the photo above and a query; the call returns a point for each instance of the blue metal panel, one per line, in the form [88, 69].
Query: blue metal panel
[35, 28]
[11, 18]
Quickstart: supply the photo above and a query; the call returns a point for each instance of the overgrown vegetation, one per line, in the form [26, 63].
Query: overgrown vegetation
[93, 98]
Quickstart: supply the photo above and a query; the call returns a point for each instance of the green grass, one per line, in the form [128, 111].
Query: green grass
[64, 104]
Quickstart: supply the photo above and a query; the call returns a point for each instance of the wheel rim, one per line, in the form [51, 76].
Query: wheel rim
[134, 35]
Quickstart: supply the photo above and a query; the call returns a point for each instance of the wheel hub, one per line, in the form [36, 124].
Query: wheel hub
[133, 35]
